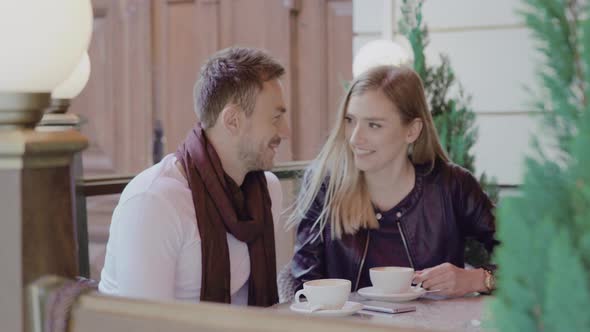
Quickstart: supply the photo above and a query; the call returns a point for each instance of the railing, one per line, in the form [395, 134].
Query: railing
[109, 185]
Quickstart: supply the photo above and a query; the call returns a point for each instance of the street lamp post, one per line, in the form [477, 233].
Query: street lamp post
[42, 42]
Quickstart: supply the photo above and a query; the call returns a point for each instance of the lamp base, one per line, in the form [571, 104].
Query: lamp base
[22, 110]
[58, 106]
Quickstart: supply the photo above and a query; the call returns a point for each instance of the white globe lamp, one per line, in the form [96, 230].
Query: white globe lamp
[71, 87]
[42, 42]
[381, 52]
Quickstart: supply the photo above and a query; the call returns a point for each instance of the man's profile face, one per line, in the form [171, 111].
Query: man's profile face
[264, 128]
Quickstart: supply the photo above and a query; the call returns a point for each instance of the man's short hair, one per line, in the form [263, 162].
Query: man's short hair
[233, 75]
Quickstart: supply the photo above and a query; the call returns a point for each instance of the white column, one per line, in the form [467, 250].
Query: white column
[389, 22]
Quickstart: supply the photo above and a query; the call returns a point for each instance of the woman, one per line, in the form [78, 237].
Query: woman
[382, 192]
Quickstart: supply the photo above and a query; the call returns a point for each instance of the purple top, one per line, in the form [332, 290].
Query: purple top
[386, 247]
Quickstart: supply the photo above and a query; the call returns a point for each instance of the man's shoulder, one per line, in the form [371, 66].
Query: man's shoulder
[162, 180]
[159, 199]
[274, 189]
[271, 178]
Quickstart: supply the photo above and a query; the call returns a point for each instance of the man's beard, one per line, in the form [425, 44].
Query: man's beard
[252, 156]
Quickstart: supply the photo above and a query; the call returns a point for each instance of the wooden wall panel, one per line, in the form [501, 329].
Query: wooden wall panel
[324, 55]
[309, 125]
[312, 38]
[146, 57]
[117, 102]
[264, 24]
[186, 33]
[339, 54]
[96, 103]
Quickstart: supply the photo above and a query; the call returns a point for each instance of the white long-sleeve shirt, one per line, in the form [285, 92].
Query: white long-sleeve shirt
[154, 247]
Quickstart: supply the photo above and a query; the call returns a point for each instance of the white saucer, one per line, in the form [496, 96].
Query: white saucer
[373, 293]
[348, 309]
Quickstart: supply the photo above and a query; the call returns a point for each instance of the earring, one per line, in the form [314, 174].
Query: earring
[411, 149]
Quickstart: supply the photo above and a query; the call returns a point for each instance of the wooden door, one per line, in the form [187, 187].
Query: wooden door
[117, 102]
[323, 56]
[312, 38]
[146, 56]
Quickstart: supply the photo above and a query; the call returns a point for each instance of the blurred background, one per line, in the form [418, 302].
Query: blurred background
[145, 57]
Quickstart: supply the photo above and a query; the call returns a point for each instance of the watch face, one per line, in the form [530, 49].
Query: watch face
[490, 281]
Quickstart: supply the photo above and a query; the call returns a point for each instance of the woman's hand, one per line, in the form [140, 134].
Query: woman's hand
[451, 280]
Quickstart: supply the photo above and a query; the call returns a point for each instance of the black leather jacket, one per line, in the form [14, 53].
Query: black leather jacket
[445, 206]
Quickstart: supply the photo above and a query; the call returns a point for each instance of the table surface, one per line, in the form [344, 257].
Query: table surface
[432, 313]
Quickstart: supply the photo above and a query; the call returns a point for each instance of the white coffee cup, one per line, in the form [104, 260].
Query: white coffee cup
[325, 293]
[391, 279]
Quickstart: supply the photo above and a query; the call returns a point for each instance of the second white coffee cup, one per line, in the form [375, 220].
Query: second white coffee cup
[391, 279]
[326, 293]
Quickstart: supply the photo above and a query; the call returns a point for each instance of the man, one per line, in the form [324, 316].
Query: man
[198, 225]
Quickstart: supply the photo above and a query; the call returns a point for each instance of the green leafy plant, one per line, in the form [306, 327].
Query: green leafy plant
[544, 276]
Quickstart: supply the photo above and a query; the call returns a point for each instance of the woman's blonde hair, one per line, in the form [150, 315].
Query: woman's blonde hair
[347, 204]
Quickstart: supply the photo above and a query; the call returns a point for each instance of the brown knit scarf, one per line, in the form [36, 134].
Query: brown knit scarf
[221, 207]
